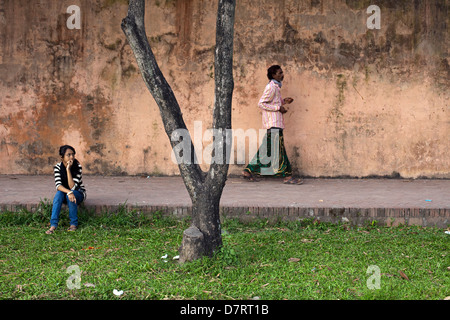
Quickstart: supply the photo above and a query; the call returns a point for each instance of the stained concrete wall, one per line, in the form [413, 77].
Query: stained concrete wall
[367, 102]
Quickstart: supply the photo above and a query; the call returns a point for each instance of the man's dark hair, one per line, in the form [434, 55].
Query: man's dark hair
[272, 70]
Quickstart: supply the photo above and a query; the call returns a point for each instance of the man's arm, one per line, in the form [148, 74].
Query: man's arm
[266, 102]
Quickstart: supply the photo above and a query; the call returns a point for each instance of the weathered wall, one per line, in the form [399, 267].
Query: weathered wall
[367, 102]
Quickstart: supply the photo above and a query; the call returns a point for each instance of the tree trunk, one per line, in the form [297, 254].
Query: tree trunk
[207, 237]
[205, 189]
[192, 246]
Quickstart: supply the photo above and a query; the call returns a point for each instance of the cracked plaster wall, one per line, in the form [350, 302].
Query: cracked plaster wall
[367, 102]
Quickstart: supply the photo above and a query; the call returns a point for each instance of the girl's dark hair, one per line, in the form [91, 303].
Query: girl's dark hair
[62, 152]
[272, 70]
[63, 149]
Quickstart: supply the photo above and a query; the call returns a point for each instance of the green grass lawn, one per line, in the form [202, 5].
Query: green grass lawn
[301, 260]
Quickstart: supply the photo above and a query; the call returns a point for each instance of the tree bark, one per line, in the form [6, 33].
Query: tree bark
[205, 188]
[192, 246]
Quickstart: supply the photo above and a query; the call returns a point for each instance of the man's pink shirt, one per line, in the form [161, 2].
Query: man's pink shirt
[270, 104]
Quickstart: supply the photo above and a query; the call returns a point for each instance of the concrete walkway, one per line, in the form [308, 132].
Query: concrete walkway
[389, 201]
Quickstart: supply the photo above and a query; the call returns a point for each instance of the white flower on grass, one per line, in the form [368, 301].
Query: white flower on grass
[117, 292]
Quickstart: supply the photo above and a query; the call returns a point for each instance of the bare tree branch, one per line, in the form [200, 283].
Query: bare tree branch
[224, 85]
[134, 28]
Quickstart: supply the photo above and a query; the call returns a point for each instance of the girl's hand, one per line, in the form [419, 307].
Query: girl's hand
[69, 164]
[72, 198]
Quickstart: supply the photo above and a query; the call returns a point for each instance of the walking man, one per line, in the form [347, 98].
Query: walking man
[271, 158]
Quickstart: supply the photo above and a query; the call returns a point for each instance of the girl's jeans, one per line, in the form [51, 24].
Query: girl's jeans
[58, 200]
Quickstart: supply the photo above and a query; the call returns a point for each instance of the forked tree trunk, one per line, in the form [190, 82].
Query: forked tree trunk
[204, 188]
